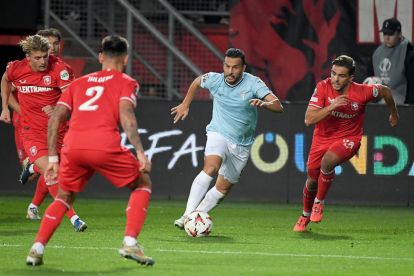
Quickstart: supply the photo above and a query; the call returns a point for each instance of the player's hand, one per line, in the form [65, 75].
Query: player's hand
[145, 165]
[48, 109]
[51, 173]
[5, 116]
[180, 112]
[259, 103]
[393, 119]
[341, 100]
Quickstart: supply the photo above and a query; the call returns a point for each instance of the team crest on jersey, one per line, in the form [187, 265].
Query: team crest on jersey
[354, 106]
[64, 75]
[33, 150]
[348, 143]
[47, 80]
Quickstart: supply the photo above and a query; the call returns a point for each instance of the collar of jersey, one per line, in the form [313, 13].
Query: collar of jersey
[234, 85]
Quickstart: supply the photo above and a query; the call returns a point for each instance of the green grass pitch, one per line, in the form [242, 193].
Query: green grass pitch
[247, 239]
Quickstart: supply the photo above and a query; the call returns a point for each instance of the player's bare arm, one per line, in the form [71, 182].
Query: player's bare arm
[13, 103]
[385, 92]
[57, 117]
[270, 102]
[5, 95]
[314, 115]
[181, 111]
[130, 126]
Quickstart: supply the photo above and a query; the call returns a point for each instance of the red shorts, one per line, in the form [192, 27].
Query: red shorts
[21, 153]
[78, 165]
[344, 148]
[35, 144]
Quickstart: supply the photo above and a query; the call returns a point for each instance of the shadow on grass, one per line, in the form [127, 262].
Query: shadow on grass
[322, 237]
[44, 270]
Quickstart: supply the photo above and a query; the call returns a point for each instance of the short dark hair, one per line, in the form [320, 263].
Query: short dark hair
[114, 46]
[235, 53]
[50, 32]
[345, 61]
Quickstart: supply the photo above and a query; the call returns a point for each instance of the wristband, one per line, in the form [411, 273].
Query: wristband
[53, 159]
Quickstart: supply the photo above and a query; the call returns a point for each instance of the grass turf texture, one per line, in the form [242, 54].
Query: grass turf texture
[247, 239]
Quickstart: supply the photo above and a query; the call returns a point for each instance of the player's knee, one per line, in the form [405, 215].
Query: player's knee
[328, 162]
[143, 181]
[67, 196]
[211, 170]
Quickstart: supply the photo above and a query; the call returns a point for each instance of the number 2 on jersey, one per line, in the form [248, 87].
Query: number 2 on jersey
[94, 92]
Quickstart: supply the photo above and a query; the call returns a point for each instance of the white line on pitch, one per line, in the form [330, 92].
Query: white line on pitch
[232, 253]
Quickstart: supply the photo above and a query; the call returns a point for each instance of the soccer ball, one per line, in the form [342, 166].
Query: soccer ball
[372, 80]
[198, 224]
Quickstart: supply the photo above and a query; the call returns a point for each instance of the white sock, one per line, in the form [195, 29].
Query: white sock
[73, 218]
[40, 248]
[130, 241]
[31, 205]
[306, 214]
[318, 200]
[31, 169]
[197, 192]
[210, 200]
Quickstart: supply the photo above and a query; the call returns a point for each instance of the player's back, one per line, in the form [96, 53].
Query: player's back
[95, 101]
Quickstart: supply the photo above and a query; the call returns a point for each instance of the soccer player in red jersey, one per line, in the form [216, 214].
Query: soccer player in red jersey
[54, 37]
[337, 109]
[98, 103]
[39, 80]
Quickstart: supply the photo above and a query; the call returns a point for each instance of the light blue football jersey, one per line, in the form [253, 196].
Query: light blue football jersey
[233, 116]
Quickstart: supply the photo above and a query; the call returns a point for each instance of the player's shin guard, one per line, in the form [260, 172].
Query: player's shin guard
[211, 200]
[324, 183]
[40, 192]
[137, 211]
[51, 220]
[308, 198]
[198, 190]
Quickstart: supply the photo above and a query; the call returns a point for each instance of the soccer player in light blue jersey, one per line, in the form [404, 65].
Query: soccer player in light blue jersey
[230, 134]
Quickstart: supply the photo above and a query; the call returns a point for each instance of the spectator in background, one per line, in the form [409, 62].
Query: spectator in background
[393, 62]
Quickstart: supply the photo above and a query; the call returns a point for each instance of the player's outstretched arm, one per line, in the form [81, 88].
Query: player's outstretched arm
[130, 126]
[386, 93]
[270, 102]
[5, 95]
[180, 111]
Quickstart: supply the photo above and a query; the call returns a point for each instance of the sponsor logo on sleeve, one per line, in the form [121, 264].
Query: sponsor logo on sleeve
[33, 151]
[314, 99]
[375, 91]
[64, 75]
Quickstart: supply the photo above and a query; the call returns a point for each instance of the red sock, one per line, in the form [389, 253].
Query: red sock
[324, 183]
[51, 220]
[40, 192]
[53, 189]
[308, 198]
[137, 211]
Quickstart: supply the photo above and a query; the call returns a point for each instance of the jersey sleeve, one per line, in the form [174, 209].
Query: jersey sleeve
[211, 81]
[260, 89]
[371, 92]
[66, 98]
[64, 75]
[10, 70]
[318, 97]
[129, 92]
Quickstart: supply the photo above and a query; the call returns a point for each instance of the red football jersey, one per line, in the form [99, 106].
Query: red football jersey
[346, 120]
[37, 89]
[94, 101]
